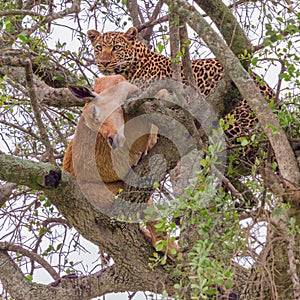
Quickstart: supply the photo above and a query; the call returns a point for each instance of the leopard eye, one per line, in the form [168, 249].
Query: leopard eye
[116, 47]
[98, 47]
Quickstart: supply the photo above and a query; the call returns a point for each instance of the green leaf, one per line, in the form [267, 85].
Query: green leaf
[47, 204]
[244, 142]
[160, 47]
[29, 277]
[42, 198]
[42, 231]
[221, 122]
[229, 283]
[58, 246]
[8, 24]
[159, 247]
[23, 38]
[156, 185]
[254, 61]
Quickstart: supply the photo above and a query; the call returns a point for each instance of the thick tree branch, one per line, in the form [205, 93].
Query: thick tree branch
[123, 241]
[68, 288]
[19, 12]
[135, 12]
[230, 29]
[57, 97]
[11, 60]
[284, 154]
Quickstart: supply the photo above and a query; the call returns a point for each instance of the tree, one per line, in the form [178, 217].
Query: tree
[44, 213]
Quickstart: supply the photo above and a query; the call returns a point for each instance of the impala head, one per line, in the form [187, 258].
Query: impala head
[104, 113]
[114, 51]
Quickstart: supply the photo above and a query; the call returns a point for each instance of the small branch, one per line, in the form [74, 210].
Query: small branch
[30, 4]
[60, 221]
[149, 31]
[55, 126]
[20, 128]
[186, 60]
[36, 111]
[19, 12]
[75, 8]
[235, 193]
[33, 256]
[284, 33]
[237, 3]
[175, 46]
[152, 23]
[6, 190]
[135, 12]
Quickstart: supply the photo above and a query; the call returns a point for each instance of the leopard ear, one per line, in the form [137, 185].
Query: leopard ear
[131, 33]
[93, 35]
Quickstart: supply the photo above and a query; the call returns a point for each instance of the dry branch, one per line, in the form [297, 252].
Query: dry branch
[36, 110]
[6, 246]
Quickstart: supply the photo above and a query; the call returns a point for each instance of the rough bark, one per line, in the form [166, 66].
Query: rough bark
[272, 274]
[284, 154]
[230, 29]
[175, 46]
[48, 95]
[109, 280]
[5, 191]
[123, 241]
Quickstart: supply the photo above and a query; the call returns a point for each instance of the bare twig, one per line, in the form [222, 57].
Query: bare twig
[36, 111]
[152, 23]
[75, 8]
[18, 249]
[18, 127]
[282, 70]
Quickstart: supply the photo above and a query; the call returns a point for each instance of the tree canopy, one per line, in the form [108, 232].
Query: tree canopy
[237, 225]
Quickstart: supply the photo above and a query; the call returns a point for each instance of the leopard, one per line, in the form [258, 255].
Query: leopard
[122, 53]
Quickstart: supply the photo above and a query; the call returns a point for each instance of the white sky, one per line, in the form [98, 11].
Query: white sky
[64, 35]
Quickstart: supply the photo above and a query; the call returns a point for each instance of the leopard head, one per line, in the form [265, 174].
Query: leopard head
[114, 51]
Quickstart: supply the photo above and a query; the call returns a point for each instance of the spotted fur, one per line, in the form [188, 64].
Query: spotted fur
[122, 53]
